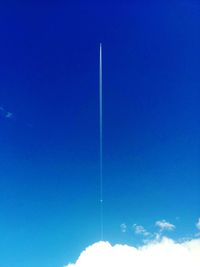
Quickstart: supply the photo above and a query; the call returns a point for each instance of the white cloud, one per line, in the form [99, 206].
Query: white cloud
[198, 224]
[165, 253]
[164, 225]
[140, 230]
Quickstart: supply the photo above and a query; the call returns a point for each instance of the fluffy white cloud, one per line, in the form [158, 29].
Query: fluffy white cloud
[198, 224]
[164, 225]
[165, 253]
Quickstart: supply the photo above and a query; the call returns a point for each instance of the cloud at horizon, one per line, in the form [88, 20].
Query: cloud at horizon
[165, 252]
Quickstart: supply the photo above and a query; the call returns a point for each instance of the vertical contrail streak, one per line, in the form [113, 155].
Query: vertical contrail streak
[101, 137]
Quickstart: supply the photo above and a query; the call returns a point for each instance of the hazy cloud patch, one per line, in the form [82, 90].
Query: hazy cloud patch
[198, 224]
[164, 253]
[5, 114]
[123, 227]
[165, 226]
[140, 230]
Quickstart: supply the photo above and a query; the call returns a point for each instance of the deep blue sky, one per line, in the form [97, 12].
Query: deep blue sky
[49, 157]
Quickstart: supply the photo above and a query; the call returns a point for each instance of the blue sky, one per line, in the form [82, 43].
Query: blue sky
[49, 156]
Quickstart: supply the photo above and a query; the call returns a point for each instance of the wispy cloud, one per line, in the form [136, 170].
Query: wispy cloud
[198, 224]
[140, 230]
[123, 227]
[165, 226]
[165, 252]
[5, 114]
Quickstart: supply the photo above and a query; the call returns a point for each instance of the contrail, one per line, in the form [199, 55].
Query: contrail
[101, 138]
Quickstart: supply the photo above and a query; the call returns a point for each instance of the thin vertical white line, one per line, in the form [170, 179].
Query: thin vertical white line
[101, 138]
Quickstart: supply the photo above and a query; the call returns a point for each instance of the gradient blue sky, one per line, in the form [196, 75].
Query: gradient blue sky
[49, 157]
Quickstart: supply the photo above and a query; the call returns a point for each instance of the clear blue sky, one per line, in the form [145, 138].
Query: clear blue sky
[49, 157]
